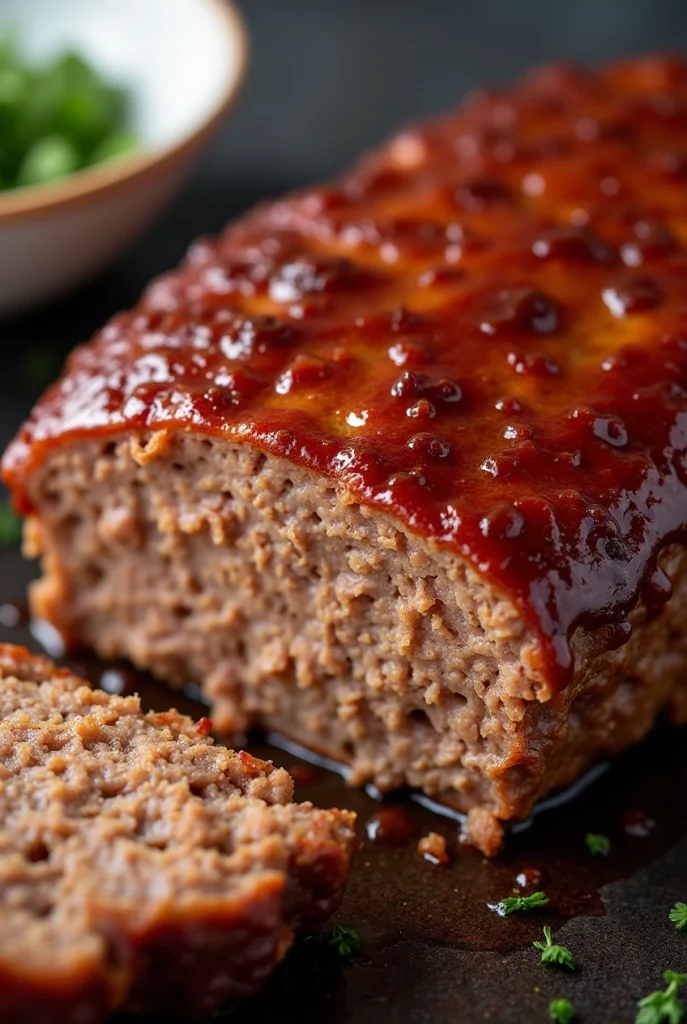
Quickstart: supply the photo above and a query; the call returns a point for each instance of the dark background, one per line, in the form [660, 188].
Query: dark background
[329, 77]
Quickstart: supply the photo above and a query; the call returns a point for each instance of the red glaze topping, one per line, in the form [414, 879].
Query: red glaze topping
[481, 329]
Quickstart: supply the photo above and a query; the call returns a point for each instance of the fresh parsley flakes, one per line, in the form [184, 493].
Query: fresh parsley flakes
[552, 953]
[663, 1007]
[10, 525]
[58, 116]
[678, 915]
[561, 1010]
[344, 940]
[511, 904]
[598, 846]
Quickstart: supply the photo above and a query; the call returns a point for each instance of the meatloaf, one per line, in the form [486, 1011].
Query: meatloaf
[397, 466]
[141, 866]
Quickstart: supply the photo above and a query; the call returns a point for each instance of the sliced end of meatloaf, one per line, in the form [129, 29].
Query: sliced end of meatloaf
[142, 866]
[300, 609]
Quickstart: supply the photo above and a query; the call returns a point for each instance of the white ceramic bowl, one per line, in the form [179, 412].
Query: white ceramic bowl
[183, 61]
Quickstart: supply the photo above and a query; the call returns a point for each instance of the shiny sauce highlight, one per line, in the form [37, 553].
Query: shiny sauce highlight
[480, 329]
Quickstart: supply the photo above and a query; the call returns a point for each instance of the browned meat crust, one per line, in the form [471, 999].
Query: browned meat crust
[141, 866]
[397, 465]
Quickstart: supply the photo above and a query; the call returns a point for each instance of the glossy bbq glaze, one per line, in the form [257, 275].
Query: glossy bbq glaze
[481, 328]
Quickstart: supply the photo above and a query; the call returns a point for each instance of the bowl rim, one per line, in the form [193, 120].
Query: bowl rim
[89, 183]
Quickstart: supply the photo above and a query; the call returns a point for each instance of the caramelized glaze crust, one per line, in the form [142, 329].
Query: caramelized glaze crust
[481, 328]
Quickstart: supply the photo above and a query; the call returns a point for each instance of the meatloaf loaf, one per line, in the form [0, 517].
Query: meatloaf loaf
[398, 466]
[141, 866]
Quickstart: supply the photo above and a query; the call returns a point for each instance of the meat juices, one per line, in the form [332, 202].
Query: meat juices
[141, 866]
[397, 466]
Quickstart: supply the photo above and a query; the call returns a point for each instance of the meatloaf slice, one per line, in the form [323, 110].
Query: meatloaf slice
[141, 866]
[397, 466]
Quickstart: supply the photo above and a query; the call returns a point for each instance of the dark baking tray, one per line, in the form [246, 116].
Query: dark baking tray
[432, 950]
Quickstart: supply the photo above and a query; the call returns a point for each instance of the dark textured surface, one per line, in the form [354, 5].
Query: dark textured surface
[328, 78]
[432, 949]
[621, 956]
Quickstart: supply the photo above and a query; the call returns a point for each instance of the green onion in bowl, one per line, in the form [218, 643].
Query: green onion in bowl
[57, 117]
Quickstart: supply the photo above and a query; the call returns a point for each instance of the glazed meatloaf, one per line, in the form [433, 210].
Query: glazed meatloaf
[397, 466]
[141, 866]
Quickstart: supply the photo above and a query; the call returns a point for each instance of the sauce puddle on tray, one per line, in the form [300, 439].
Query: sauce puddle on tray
[395, 894]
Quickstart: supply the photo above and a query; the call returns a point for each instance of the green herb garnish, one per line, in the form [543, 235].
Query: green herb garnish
[552, 953]
[678, 915]
[344, 940]
[658, 1007]
[598, 846]
[512, 904]
[48, 159]
[561, 1010]
[117, 144]
[10, 525]
[56, 117]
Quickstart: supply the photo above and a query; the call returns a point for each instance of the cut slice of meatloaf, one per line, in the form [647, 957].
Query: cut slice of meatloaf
[141, 866]
[397, 466]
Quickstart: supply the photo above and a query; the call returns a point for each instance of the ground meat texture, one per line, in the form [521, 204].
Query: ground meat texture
[433, 848]
[483, 830]
[142, 867]
[396, 466]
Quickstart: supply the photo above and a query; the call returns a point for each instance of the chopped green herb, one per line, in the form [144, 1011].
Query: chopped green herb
[678, 915]
[660, 1007]
[511, 904]
[48, 159]
[598, 846]
[561, 1011]
[344, 940]
[553, 954]
[10, 526]
[56, 117]
[117, 144]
